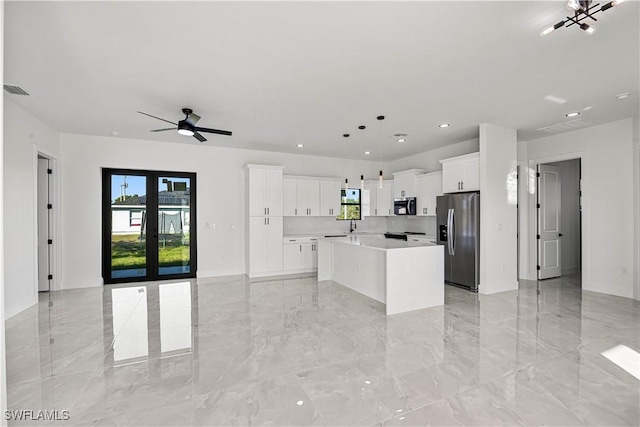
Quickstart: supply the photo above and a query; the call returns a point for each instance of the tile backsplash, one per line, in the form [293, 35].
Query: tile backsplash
[328, 225]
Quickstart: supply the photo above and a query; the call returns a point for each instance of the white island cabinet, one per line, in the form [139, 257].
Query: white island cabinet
[403, 275]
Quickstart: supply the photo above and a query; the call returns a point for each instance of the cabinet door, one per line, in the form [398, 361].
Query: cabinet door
[431, 196]
[273, 192]
[372, 188]
[404, 186]
[384, 205]
[257, 187]
[307, 256]
[329, 198]
[257, 244]
[471, 176]
[422, 194]
[313, 197]
[289, 197]
[452, 174]
[292, 256]
[274, 244]
[314, 255]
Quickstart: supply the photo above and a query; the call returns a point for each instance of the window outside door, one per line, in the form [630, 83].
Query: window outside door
[148, 225]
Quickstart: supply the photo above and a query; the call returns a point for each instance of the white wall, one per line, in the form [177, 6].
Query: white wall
[24, 136]
[220, 193]
[570, 214]
[608, 202]
[636, 192]
[3, 366]
[498, 215]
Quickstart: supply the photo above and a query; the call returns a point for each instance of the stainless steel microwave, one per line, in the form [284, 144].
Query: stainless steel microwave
[404, 206]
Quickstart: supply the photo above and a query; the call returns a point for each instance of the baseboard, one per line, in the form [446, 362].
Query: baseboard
[570, 270]
[494, 288]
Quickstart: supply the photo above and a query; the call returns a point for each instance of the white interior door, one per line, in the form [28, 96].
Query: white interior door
[43, 225]
[549, 215]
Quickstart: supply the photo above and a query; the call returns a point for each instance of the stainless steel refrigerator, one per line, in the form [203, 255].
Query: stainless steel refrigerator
[459, 231]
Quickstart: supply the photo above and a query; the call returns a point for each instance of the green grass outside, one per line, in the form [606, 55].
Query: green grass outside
[129, 252]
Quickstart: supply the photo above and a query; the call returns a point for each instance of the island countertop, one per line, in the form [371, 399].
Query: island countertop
[377, 242]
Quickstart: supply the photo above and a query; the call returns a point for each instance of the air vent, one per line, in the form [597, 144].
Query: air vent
[399, 135]
[15, 90]
[565, 126]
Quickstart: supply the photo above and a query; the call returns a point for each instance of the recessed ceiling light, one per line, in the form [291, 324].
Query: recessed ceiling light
[401, 140]
[367, 152]
[622, 95]
[573, 114]
[444, 125]
[299, 145]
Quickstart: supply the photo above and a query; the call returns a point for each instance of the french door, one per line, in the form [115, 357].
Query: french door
[148, 225]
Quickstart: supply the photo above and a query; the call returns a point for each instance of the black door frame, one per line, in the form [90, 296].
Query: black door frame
[152, 225]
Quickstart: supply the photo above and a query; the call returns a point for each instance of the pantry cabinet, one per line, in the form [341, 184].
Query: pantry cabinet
[263, 224]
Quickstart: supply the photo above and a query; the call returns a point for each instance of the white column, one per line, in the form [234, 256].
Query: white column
[3, 365]
[498, 214]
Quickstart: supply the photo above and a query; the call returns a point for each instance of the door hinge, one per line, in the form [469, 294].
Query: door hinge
[537, 267]
[50, 242]
[538, 205]
[50, 277]
[538, 174]
[538, 236]
[49, 171]
[49, 206]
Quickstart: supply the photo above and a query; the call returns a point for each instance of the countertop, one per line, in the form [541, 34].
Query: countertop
[347, 234]
[376, 242]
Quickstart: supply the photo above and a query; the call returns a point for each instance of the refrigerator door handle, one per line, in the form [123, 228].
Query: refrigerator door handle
[449, 236]
[453, 227]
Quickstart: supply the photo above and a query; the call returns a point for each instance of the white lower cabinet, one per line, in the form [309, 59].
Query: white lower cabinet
[300, 254]
[265, 246]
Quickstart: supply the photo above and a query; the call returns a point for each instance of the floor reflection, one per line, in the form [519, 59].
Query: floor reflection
[301, 352]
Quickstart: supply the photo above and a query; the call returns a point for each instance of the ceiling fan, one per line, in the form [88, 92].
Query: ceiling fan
[188, 127]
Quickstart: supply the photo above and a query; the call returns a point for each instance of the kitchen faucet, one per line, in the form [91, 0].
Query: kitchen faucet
[352, 225]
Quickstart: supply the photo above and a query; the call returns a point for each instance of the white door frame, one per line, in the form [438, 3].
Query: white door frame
[585, 231]
[54, 164]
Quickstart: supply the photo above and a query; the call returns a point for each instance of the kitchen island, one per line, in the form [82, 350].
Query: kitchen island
[403, 275]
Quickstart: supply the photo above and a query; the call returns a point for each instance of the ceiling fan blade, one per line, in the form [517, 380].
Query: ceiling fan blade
[199, 137]
[157, 118]
[218, 131]
[192, 119]
[161, 130]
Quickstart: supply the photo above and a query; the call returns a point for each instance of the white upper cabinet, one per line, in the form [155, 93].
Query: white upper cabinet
[369, 199]
[428, 187]
[384, 199]
[461, 173]
[289, 196]
[308, 192]
[404, 183]
[329, 197]
[301, 196]
[265, 190]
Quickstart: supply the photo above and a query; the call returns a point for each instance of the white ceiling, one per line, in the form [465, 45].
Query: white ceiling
[282, 73]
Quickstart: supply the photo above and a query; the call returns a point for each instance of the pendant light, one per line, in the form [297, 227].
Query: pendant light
[346, 163]
[380, 177]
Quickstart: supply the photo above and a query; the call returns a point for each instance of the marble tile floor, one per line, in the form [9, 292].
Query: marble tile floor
[301, 352]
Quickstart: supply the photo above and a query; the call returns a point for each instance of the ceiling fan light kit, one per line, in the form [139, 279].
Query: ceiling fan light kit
[582, 9]
[187, 126]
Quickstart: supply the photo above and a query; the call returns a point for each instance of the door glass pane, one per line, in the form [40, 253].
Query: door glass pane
[174, 203]
[128, 226]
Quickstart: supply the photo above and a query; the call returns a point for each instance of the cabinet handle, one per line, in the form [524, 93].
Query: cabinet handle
[268, 221]
[296, 211]
[376, 210]
[265, 221]
[268, 211]
[300, 248]
[462, 185]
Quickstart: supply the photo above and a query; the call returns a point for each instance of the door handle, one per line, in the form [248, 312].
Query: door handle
[559, 234]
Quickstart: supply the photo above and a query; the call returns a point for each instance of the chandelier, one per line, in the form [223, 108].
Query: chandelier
[582, 9]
